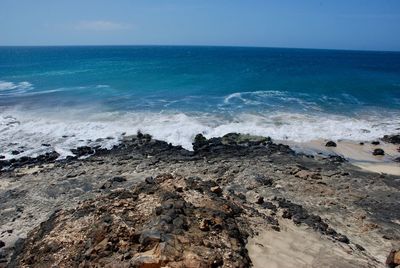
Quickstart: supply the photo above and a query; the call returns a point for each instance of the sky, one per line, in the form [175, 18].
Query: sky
[332, 24]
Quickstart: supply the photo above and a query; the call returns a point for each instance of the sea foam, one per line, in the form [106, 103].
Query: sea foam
[27, 132]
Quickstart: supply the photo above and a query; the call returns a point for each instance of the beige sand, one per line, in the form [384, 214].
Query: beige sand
[298, 247]
[358, 155]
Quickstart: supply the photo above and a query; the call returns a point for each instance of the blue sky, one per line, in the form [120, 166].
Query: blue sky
[338, 24]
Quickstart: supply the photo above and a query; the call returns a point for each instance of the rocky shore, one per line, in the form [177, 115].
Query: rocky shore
[235, 201]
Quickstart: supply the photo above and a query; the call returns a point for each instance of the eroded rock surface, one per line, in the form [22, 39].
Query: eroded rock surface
[151, 225]
[114, 207]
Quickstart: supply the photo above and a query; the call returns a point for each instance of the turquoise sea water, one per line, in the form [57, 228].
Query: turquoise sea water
[71, 96]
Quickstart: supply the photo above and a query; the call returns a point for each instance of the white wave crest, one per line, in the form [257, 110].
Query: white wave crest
[4, 85]
[28, 131]
[271, 98]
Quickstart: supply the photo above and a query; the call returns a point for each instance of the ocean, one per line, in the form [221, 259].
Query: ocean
[58, 98]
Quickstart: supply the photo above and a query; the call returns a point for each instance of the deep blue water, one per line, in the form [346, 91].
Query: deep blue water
[172, 92]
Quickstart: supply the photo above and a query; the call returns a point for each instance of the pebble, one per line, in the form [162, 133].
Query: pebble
[260, 200]
[216, 190]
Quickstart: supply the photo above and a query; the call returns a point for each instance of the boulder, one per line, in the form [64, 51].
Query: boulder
[395, 139]
[378, 152]
[216, 190]
[199, 142]
[82, 151]
[330, 144]
[235, 138]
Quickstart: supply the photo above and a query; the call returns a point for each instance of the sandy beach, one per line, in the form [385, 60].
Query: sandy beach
[358, 153]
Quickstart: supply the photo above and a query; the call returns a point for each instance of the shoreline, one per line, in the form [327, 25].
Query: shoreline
[359, 154]
[275, 190]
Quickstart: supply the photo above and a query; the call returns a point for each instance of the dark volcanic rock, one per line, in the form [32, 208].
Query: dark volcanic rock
[2, 244]
[375, 143]
[82, 151]
[110, 183]
[300, 216]
[149, 180]
[395, 139]
[330, 144]
[199, 142]
[378, 152]
[119, 179]
[25, 160]
[230, 142]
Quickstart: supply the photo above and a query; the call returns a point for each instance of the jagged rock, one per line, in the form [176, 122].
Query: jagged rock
[2, 244]
[230, 139]
[109, 183]
[395, 139]
[204, 225]
[150, 225]
[269, 205]
[149, 180]
[260, 200]
[375, 143]
[199, 142]
[119, 179]
[306, 174]
[25, 160]
[235, 138]
[300, 216]
[378, 152]
[82, 151]
[343, 239]
[216, 190]
[330, 144]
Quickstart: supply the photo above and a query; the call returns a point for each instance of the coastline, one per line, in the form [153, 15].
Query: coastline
[276, 190]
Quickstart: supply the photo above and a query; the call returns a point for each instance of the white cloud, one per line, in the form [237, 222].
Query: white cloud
[101, 25]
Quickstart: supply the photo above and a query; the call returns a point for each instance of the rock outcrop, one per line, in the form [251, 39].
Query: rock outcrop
[152, 225]
[395, 139]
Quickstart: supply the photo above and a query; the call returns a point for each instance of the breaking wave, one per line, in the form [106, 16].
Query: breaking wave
[27, 132]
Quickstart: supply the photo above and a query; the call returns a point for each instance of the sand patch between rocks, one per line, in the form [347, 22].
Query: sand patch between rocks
[299, 247]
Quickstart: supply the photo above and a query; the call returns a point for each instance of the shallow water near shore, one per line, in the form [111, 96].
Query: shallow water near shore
[65, 97]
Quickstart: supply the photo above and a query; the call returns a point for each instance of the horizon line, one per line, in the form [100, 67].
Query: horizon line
[227, 46]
